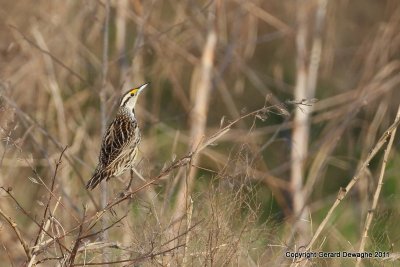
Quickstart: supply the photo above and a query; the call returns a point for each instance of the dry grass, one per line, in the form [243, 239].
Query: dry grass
[222, 169]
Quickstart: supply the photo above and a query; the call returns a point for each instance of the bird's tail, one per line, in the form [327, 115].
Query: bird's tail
[98, 176]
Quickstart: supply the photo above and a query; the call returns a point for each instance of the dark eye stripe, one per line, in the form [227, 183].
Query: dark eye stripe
[123, 104]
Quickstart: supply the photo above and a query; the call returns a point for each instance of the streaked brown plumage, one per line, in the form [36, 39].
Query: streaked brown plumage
[120, 142]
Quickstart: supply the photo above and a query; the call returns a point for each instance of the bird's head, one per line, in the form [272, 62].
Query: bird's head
[129, 98]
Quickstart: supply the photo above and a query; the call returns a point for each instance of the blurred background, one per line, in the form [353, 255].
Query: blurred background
[320, 80]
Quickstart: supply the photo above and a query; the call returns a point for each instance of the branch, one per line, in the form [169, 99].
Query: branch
[149, 255]
[174, 165]
[50, 195]
[74, 251]
[8, 192]
[18, 233]
[41, 236]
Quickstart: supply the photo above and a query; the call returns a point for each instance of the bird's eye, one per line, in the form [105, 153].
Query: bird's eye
[134, 91]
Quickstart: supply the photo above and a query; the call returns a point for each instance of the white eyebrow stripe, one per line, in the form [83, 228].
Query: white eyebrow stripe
[124, 101]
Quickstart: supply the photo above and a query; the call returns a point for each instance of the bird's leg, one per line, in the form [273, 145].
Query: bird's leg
[130, 181]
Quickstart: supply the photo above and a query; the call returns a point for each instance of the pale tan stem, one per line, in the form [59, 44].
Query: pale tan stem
[199, 114]
[103, 111]
[265, 16]
[344, 191]
[371, 211]
[53, 85]
[188, 235]
[46, 228]
[300, 132]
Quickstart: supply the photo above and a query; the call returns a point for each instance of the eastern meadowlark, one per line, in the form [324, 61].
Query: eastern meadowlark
[120, 141]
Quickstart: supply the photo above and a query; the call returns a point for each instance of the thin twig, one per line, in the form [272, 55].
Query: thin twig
[92, 221]
[27, 214]
[44, 229]
[105, 229]
[129, 194]
[150, 255]
[32, 122]
[189, 213]
[50, 195]
[78, 240]
[18, 233]
[184, 161]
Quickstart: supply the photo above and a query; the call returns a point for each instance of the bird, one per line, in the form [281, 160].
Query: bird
[119, 147]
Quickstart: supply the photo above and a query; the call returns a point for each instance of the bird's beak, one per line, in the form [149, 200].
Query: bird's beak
[140, 89]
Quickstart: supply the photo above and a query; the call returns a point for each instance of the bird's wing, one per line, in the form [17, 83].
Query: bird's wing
[117, 137]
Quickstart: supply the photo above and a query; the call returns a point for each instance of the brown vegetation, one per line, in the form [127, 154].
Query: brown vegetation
[269, 126]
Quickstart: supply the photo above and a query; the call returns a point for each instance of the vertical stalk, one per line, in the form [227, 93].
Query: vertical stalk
[198, 119]
[103, 184]
[120, 38]
[300, 132]
[371, 211]
[306, 82]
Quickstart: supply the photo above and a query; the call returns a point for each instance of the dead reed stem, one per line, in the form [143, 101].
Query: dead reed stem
[103, 113]
[303, 116]
[53, 85]
[371, 211]
[301, 126]
[265, 16]
[344, 191]
[361, 98]
[120, 38]
[198, 118]
[52, 63]
[316, 50]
